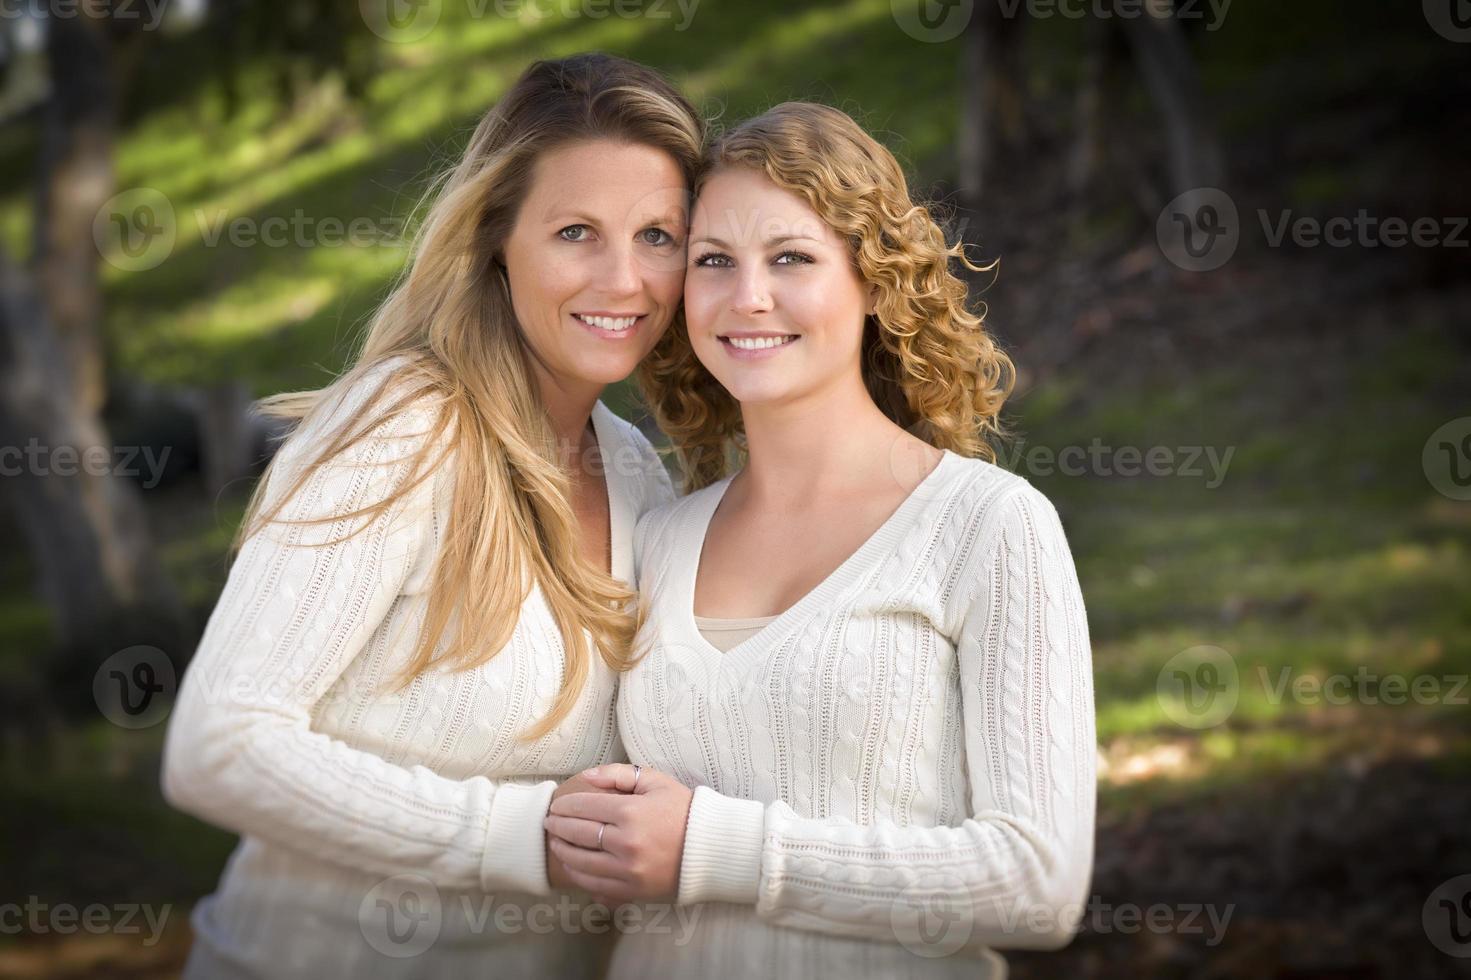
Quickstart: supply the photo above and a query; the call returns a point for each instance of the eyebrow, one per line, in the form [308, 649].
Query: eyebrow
[777, 240]
[577, 217]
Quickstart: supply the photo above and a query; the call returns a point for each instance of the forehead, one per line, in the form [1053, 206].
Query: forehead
[744, 207]
[616, 180]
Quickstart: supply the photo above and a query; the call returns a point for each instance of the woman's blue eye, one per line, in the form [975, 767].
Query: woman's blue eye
[572, 228]
[713, 259]
[659, 236]
[797, 257]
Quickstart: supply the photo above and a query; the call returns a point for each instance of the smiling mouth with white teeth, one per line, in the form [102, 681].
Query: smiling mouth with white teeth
[764, 342]
[611, 324]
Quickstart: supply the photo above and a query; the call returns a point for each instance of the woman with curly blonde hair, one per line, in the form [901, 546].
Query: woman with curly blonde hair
[862, 733]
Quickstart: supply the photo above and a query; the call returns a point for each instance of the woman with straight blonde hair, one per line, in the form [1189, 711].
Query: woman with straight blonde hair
[863, 729]
[420, 635]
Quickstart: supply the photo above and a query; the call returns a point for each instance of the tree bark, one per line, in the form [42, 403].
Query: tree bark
[87, 532]
[993, 98]
[75, 179]
[1167, 70]
[95, 565]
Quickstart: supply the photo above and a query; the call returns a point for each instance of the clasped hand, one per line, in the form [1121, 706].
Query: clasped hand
[642, 834]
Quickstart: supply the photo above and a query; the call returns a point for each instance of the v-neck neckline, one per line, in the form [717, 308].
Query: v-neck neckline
[882, 538]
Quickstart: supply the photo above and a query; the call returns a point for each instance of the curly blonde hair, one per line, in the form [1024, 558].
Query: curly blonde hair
[928, 362]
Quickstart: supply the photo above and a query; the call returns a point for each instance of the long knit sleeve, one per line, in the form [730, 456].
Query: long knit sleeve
[241, 751]
[1016, 870]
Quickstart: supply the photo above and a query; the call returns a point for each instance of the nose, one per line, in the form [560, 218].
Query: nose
[752, 293]
[622, 275]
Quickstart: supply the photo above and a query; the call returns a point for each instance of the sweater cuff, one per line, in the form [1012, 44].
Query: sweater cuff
[722, 849]
[515, 842]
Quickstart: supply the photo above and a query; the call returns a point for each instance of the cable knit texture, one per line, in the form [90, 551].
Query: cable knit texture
[284, 732]
[897, 775]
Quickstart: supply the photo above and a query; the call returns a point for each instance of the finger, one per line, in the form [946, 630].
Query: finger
[604, 807]
[617, 775]
[599, 863]
[581, 833]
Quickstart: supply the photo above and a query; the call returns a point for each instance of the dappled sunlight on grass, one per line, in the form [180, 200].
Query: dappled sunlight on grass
[1173, 765]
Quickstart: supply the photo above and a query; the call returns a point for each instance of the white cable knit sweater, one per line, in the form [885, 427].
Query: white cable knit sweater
[282, 733]
[897, 773]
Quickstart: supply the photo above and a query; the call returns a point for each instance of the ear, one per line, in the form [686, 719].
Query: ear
[872, 298]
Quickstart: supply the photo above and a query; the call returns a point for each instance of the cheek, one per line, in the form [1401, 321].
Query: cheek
[666, 289]
[702, 300]
[544, 287]
[828, 307]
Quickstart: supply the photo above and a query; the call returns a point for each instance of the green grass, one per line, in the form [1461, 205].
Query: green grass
[1324, 552]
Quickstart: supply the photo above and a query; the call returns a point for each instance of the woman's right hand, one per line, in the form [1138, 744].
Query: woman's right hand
[556, 870]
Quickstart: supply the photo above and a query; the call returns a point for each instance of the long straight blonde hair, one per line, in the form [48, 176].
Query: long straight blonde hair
[450, 318]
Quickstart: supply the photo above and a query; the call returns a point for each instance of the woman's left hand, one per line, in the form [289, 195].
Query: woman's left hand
[642, 843]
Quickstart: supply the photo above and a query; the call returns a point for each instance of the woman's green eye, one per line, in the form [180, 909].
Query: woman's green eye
[657, 236]
[577, 233]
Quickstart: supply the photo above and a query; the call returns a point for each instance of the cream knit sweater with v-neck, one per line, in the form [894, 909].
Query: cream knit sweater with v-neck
[384, 834]
[897, 773]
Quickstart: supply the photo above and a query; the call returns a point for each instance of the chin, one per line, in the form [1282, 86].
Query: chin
[606, 370]
[758, 391]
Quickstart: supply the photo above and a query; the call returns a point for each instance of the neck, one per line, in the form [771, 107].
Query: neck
[569, 405]
[804, 448]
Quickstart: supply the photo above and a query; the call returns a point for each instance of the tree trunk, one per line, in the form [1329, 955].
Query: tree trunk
[93, 558]
[76, 178]
[1167, 70]
[992, 96]
[89, 542]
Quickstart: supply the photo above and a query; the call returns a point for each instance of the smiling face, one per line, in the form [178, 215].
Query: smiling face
[774, 304]
[596, 257]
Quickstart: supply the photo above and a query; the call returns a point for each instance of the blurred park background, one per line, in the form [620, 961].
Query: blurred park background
[1234, 272]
